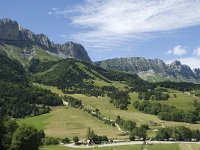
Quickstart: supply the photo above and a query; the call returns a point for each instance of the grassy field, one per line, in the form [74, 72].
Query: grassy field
[116, 84]
[40, 122]
[107, 109]
[189, 146]
[126, 147]
[183, 101]
[67, 122]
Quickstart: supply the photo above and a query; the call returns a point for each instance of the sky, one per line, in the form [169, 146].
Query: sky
[164, 29]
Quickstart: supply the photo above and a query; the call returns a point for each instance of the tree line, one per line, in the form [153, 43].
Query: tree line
[166, 112]
[180, 86]
[153, 95]
[179, 133]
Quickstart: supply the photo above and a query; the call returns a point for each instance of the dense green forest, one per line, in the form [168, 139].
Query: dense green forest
[76, 72]
[20, 100]
[11, 70]
[180, 86]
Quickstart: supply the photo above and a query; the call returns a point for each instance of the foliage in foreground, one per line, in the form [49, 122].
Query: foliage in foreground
[14, 137]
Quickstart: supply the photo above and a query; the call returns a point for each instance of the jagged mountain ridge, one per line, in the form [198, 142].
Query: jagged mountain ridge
[152, 68]
[12, 33]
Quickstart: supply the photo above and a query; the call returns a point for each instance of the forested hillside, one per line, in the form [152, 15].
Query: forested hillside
[70, 73]
[11, 70]
[18, 98]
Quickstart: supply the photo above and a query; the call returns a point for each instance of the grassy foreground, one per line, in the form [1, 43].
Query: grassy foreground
[68, 122]
[126, 147]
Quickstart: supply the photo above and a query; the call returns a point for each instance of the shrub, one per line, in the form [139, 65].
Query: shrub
[76, 139]
[51, 141]
[66, 140]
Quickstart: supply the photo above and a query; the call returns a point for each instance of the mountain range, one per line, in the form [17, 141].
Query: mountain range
[11, 33]
[152, 69]
[24, 45]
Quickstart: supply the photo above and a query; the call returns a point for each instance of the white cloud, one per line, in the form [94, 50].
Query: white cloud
[197, 52]
[115, 23]
[177, 51]
[193, 62]
[50, 13]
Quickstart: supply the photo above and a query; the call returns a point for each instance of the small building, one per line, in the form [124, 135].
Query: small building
[172, 139]
[193, 140]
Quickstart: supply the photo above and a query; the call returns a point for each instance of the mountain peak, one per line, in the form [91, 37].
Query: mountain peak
[9, 29]
[7, 21]
[176, 63]
[11, 33]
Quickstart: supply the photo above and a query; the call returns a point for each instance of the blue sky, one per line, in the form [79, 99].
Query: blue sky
[165, 29]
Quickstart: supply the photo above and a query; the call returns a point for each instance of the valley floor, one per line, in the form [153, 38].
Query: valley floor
[66, 121]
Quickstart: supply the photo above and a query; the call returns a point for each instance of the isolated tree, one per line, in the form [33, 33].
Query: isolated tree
[141, 132]
[132, 136]
[76, 139]
[88, 133]
[118, 120]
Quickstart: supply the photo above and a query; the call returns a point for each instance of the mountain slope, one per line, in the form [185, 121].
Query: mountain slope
[75, 74]
[152, 69]
[13, 36]
[11, 70]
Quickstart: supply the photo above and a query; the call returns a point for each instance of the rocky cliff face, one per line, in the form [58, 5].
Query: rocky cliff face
[197, 72]
[9, 30]
[182, 70]
[174, 71]
[12, 33]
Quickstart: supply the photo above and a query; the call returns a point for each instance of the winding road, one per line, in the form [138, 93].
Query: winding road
[130, 143]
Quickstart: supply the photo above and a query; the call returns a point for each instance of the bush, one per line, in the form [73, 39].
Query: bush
[132, 136]
[146, 126]
[66, 140]
[51, 141]
[76, 139]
